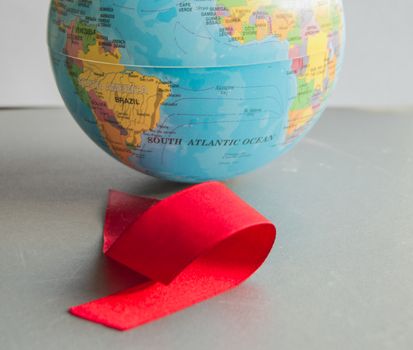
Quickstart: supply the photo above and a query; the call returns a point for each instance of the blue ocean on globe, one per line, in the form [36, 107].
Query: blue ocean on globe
[199, 90]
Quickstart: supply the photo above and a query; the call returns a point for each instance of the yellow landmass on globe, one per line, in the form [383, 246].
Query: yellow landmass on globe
[299, 118]
[314, 63]
[320, 74]
[125, 103]
[268, 20]
[314, 75]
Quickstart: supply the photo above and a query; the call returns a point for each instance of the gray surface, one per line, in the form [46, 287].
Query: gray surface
[340, 276]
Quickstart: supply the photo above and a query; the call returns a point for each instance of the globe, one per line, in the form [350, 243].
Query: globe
[197, 90]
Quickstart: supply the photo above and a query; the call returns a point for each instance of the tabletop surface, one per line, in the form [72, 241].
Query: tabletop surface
[340, 276]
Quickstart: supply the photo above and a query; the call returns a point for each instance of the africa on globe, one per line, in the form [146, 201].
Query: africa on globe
[196, 90]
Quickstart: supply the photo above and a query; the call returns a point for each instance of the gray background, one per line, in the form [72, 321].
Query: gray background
[378, 70]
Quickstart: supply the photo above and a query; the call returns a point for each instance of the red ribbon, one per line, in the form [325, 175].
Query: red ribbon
[191, 246]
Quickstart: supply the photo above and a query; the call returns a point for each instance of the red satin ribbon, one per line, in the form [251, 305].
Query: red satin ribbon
[191, 246]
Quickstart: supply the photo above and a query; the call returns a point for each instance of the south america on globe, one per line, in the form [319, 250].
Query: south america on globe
[197, 90]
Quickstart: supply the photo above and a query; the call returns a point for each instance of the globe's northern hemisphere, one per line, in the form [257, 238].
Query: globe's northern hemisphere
[196, 90]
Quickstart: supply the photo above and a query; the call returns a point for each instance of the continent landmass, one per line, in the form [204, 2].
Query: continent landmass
[314, 43]
[125, 103]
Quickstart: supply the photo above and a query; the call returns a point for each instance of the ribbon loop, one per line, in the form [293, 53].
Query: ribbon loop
[197, 243]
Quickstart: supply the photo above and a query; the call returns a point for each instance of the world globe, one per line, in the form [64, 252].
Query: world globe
[197, 90]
